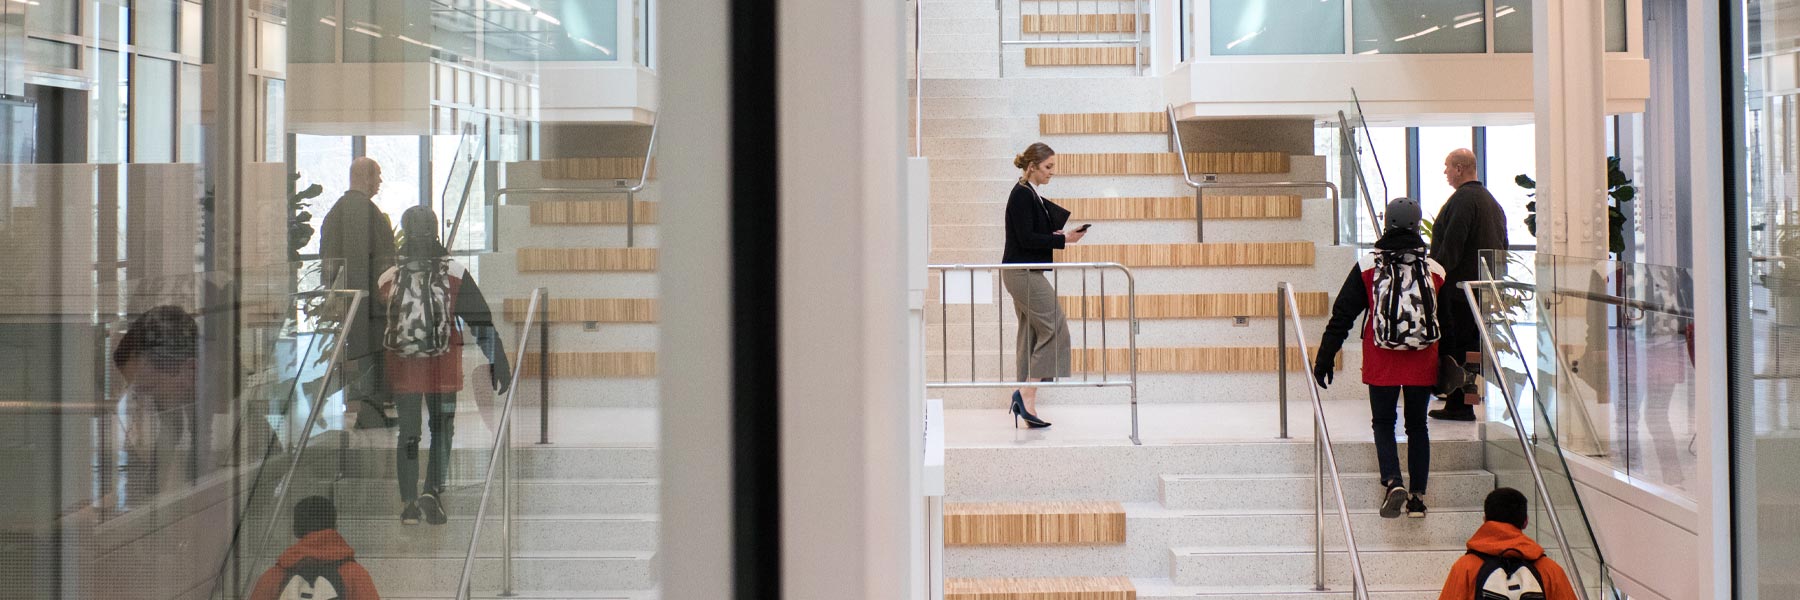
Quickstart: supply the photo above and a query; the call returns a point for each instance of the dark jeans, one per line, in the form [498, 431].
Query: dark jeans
[442, 411]
[1383, 399]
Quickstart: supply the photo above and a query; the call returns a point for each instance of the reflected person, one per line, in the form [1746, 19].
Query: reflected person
[156, 359]
[425, 295]
[357, 233]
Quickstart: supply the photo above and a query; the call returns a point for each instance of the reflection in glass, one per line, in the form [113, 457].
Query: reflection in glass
[1262, 27]
[153, 121]
[1419, 26]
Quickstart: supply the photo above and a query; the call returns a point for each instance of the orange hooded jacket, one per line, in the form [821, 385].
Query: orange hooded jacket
[324, 545]
[1493, 538]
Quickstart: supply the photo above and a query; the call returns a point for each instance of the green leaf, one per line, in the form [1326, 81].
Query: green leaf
[1625, 193]
[1531, 224]
[311, 191]
[1525, 181]
[1531, 206]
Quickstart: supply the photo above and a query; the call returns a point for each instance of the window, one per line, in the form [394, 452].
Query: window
[1436, 143]
[1419, 26]
[153, 111]
[324, 160]
[1512, 151]
[1277, 27]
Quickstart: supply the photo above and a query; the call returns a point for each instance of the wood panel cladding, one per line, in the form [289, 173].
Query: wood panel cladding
[1211, 359]
[618, 167]
[582, 310]
[1193, 306]
[1081, 123]
[589, 212]
[1164, 163]
[1182, 208]
[586, 260]
[1055, 588]
[1224, 254]
[1080, 56]
[1105, 23]
[580, 365]
[1033, 523]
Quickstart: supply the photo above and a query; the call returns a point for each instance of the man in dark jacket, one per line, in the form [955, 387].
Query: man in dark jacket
[357, 243]
[1470, 222]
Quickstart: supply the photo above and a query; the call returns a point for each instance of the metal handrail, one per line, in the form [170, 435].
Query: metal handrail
[1525, 444]
[312, 420]
[1000, 330]
[1200, 188]
[1287, 309]
[502, 445]
[1138, 25]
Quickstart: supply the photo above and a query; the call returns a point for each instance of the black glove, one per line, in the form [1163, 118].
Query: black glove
[1322, 368]
[501, 377]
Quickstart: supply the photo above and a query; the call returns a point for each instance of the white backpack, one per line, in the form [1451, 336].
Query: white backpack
[1507, 577]
[1404, 316]
[313, 580]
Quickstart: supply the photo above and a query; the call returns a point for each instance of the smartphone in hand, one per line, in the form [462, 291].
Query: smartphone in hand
[1084, 227]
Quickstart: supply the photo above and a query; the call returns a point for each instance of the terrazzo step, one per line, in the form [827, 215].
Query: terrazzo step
[1133, 473]
[600, 337]
[324, 462]
[537, 498]
[1164, 589]
[1448, 491]
[991, 179]
[1150, 531]
[1157, 333]
[499, 277]
[988, 41]
[388, 537]
[1126, 211]
[538, 570]
[1257, 306]
[971, 147]
[1293, 566]
[1033, 523]
[537, 595]
[1048, 588]
[1116, 360]
[940, 25]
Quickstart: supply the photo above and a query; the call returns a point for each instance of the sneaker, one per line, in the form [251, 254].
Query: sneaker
[1449, 415]
[433, 509]
[410, 515]
[1415, 507]
[1390, 503]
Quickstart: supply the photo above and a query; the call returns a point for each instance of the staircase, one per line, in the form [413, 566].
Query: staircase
[1220, 521]
[587, 520]
[962, 38]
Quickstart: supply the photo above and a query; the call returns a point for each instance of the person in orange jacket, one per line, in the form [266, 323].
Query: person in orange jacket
[1501, 556]
[320, 565]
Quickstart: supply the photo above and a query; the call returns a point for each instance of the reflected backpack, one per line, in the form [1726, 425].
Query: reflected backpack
[1508, 576]
[313, 580]
[419, 320]
[1404, 316]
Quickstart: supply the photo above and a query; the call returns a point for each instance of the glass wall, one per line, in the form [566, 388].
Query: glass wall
[1259, 27]
[323, 333]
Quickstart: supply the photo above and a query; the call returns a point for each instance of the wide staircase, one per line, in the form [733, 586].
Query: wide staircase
[570, 480]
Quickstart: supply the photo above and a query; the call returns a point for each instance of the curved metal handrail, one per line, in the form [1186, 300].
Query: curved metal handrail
[1321, 446]
[1200, 188]
[502, 444]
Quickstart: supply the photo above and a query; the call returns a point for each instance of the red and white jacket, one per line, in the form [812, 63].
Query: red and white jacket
[444, 373]
[1381, 366]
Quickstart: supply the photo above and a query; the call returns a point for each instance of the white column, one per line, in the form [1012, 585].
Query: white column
[1569, 74]
[846, 450]
[1707, 143]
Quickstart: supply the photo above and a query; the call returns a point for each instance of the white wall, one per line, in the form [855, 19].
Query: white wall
[1648, 536]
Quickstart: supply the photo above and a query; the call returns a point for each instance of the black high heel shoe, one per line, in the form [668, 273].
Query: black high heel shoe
[1018, 411]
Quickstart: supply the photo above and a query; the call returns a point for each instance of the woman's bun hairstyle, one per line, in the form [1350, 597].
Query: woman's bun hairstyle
[1036, 153]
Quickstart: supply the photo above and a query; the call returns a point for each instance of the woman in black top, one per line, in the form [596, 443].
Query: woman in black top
[1033, 234]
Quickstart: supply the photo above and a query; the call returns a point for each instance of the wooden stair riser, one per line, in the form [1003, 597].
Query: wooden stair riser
[1181, 208]
[1061, 588]
[1098, 56]
[1194, 306]
[1188, 360]
[590, 212]
[1034, 524]
[1232, 254]
[1101, 23]
[1165, 163]
[594, 168]
[585, 310]
[586, 260]
[1095, 123]
[577, 365]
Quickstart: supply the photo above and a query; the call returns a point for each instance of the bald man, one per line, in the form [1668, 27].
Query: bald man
[1470, 222]
[358, 233]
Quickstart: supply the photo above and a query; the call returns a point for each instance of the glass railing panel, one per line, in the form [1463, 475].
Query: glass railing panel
[1274, 27]
[1419, 26]
[1515, 324]
[1361, 152]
